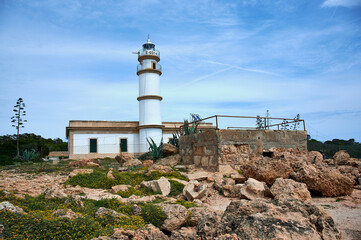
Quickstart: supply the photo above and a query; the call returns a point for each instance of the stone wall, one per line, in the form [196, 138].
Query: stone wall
[214, 149]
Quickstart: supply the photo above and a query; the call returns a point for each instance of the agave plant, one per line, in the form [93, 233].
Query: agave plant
[29, 155]
[155, 151]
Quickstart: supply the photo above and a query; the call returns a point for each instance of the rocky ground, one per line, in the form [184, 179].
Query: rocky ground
[293, 195]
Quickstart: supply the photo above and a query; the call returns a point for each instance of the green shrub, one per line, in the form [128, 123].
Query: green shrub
[153, 214]
[30, 155]
[6, 160]
[185, 203]
[176, 188]
[142, 191]
[94, 180]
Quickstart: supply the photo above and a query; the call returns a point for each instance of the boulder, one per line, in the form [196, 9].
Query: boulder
[266, 169]
[197, 214]
[159, 168]
[184, 234]
[275, 219]
[197, 176]
[207, 226]
[238, 178]
[161, 185]
[75, 199]
[194, 190]
[80, 163]
[325, 181]
[65, 213]
[252, 189]
[136, 210]
[120, 188]
[124, 157]
[177, 215]
[147, 163]
[80, 171]
[169, 149]
[106, 212]
[8, 206]
[110, 174]
[52, 193]
[341, 156]
[290, 189]
[132, 163]
[226, 169]
[149, 232]
[170, 161]
[93, 164]
[350, 172]
[314, 157]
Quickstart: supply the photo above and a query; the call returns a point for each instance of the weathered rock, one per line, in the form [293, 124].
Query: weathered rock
[266, 169]
[122, 169]
[110, 174]
[288, 188]
[207, 226]
[159, 168]
[52, 193]
[276, 219]
[75, 199]
[124, 157]
[1, 228]
[65, 213]
[80, 163]
[93, 164]
[169, 149]
[170, 161]
[341, 156]
[136, 210]
[350, 172]
[161, 185]
[353, 162]
[120, 188]
[177, 215]
[226, 169]
[8, 206]
[194, 190]
[184, 234]
[80, 171]
[252, 189]
[147, 163]
[314, 157]
[197, 214]
[150, 232]
[238, 178]
[323, 180]
[132, 163]
[106, 212]
[197, 176]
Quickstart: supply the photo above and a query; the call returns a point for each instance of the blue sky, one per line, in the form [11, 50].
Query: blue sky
[71, 60]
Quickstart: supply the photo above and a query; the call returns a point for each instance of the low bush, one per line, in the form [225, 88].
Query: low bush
[185, 203]
[176, 188]
[153, 214]
[142, 191]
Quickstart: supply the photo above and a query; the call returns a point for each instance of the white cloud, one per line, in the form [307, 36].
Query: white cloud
[341, 3]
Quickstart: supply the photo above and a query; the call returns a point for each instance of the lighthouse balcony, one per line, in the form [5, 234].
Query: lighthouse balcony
[149, 54]
[153, 68]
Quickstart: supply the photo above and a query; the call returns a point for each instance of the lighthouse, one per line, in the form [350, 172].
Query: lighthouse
[149, 71]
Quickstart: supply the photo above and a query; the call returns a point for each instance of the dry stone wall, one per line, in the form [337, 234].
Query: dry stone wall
[211, 149]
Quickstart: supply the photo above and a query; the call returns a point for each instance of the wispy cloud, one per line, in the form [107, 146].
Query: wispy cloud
[341, 3]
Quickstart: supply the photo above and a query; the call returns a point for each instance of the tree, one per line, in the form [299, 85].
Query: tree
[18, 121]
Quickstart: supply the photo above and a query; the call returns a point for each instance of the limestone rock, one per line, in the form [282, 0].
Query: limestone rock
[266, 169]
[120, 188]
[136, 210]
[194, 190]
[52, 193]
[170, 161]
[226, 169]
[80, 171]
[184, 234]
[110, 174]
[169, 149]
[93, 164]
[161, 185]
[150, 232]
[314, 157]
[288, 188]
[197, 176]
[323, 180]
[350, 172]
[124, 157]
[252, 189]
[105, 212]
[132, 163]
[75, 199]
[159, 168]
[276, 219]
[197, 214]
[80, 163]
[147, 163]
[65, 213]
[208, 225]
[341, 156]
[177, 215]
[8, 206]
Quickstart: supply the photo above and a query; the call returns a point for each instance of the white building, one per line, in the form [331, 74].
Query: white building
[99, 139]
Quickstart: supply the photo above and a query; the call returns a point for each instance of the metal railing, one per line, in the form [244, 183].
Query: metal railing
[285, 121]
[158, 67]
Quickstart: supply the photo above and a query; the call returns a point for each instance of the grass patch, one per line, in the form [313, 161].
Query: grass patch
[142, 191]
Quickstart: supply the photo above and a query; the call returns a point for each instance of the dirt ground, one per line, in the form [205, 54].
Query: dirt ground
[346, 211]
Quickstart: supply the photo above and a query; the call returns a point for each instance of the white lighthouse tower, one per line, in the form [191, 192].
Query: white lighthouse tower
[150, 122]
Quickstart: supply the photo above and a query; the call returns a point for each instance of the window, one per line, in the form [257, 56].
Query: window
[123, 145]
[93, 145]
[154, 65]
